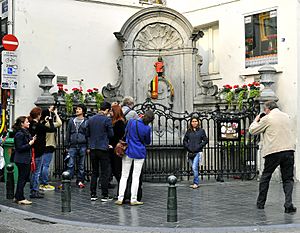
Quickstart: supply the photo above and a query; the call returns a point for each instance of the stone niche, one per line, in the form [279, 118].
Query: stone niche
[153, 32]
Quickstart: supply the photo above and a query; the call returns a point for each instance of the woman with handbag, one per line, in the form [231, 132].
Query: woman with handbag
[22, 158]
[194, 141]
[118, 122]
[138, 135]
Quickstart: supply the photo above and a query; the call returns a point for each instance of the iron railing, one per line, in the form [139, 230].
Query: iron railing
[166, 154]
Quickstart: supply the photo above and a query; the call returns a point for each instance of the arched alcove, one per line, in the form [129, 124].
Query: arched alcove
[153, 32]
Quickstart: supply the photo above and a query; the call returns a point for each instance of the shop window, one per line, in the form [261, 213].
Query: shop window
[209, 50]
[261, 39]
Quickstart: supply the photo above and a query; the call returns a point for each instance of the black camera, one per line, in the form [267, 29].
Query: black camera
[262, 115]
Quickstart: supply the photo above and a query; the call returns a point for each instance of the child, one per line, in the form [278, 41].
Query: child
[194, 141]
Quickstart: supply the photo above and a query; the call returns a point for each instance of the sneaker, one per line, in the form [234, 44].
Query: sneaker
[290, 210]
[106, 198]
[36, 194]
[119, 202]
[24, 202]
[47, 187]
[94, 198]
[136, 203]
[81, 185]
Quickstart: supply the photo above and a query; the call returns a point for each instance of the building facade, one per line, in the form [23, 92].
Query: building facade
[75, 39]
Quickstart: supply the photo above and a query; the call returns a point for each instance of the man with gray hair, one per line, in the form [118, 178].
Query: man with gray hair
[127, 106]
[278, 146]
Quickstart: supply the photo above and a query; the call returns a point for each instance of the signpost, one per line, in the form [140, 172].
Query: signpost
[9, 70]
[10, 42]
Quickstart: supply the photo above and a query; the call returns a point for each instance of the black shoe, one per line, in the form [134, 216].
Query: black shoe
[94, 198]
[260, 207]
[106, 198]
[291, 209]
[36, 194]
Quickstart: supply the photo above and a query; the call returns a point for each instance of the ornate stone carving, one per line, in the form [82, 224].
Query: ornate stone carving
[158, 36]
[112, 92]
[206, 87]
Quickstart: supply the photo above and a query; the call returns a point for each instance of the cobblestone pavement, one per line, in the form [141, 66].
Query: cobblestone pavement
[214, 207]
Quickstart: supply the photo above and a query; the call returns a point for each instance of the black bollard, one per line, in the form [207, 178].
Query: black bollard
[66, 192]
[10, 182]
[172, 200]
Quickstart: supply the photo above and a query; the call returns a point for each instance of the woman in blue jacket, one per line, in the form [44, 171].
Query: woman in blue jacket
[194, 141]
[22, 157]
[138, 135]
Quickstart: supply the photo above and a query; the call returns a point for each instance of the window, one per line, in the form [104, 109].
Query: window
[261, 39]
[208, 48]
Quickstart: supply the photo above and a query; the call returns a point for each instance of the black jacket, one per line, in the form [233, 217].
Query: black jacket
[40, 130]
[76, 138]
[194, 141]
[22, 147]
[119, 131]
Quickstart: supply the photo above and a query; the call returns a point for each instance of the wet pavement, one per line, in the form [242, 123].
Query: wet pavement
[213, 205]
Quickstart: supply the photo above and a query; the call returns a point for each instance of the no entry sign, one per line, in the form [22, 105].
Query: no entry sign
[10, 42]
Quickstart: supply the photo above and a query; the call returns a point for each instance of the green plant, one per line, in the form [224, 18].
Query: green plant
[69, 103]
[254, 91]
[241, 93]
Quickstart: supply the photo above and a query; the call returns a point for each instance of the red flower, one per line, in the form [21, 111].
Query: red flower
[250, 84]
[244, 86]
[236, 86]
[66, 89]
[60, 85]
[95, 89]
[75, 89]
[256, 83]
[89, 90]
[242, 132]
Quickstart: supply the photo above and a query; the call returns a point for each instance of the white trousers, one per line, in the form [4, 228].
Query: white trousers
[137, 168]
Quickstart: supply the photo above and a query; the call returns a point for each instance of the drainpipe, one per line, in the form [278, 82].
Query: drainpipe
[11, 30]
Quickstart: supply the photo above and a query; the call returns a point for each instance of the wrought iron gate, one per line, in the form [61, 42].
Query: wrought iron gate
[227, 154]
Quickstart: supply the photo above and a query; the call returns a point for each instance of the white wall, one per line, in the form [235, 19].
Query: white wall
[72, 38]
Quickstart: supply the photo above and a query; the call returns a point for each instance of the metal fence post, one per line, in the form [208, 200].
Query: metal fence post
[66, 192]
[10, 182]
[172, 200]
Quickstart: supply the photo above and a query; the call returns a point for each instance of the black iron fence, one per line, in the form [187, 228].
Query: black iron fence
[230, 152]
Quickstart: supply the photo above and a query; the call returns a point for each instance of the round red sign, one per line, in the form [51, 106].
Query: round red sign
[10, 42]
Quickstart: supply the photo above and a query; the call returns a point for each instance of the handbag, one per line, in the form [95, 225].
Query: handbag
[121, 148]
[32, 165]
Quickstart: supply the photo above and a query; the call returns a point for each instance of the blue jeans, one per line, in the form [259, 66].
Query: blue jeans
[77, 153]
[47, 158]
[35, 176]
[195, 167]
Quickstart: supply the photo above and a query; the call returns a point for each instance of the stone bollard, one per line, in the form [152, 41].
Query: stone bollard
[66, 192]
[10, 182]
[172, 200]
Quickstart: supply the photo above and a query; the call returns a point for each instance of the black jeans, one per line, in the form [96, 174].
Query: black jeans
[24, 172]
[286, 161]
[103, 158]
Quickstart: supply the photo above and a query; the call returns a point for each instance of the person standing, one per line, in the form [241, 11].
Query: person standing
[138, 135]
[99, 130]
[118, 122]
[278, 146]
[22, 158]
[52, 120]
[76, 140]
[194, 140]
[127, 106]
[39, 129]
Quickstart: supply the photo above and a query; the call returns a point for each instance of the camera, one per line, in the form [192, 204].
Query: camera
[262, 115]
